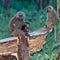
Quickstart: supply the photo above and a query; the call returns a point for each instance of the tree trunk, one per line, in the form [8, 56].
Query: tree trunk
[59, 33]
[5, 4]
[58, 2]
[38, 5]
[43, 4]
[23, 48]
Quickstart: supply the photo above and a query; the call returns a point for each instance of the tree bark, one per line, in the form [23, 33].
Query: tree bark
[23, 48]
[59, 33]
[38, 5]
[5, 4]
[58, 9]
[43, 3]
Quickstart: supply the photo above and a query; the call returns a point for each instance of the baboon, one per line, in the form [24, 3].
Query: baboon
[17, 24]
[17, 21]
[23, 48]
[51, 19]
[24, 30]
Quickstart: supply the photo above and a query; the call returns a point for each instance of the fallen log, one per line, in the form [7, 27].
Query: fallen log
[9, 46]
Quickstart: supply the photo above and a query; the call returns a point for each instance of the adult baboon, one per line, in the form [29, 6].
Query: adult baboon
[17, 21]
[51, 19]
[18, 25]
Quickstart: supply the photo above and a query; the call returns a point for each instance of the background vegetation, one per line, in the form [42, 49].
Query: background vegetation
[35, 11]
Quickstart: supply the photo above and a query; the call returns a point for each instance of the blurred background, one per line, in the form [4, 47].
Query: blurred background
[36, 15]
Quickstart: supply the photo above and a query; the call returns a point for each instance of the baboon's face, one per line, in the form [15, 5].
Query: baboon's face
[49, 8]
[20, 17]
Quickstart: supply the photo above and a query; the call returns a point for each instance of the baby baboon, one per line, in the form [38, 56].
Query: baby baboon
[24, 30]
[51, 19]
[18, 24]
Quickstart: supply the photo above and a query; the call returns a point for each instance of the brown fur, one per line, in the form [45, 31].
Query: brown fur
[16, 23]
[23, 48]
[51, 20]
[51, 17]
